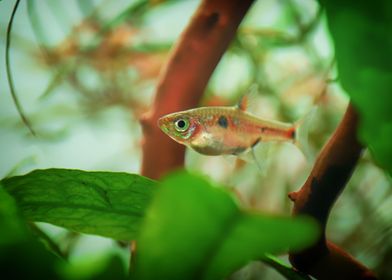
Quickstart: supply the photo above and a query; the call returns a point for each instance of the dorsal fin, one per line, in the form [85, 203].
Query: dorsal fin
[243, 103]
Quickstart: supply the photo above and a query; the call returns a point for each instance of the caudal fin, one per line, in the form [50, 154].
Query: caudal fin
[302, 132]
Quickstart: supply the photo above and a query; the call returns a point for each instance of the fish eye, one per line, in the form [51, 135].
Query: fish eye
[181, 125]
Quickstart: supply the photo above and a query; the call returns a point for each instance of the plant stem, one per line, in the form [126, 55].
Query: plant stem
[332, 170]
[9, 73]
[185, 76]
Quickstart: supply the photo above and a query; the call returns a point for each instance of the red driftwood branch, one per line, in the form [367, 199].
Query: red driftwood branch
[184, 78]
[332, 170]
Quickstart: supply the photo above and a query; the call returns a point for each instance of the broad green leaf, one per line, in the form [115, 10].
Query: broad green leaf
[102, 203]
[196, 231]
[361, 31]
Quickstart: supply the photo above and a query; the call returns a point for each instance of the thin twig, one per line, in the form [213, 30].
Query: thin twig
[9, 73]
[285, 270]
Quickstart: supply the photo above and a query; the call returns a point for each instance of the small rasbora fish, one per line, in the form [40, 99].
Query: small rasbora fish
[225, 129]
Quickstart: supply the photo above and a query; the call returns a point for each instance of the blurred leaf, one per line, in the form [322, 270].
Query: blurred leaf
[109, 267]
[195, 231]
[85, 6]
[32, 259]
[132, 12]
[60, 73]
[19, 249]
[37, 24]
[114, 270]
[12, 229]
[63, 19]
[21, 256]
[103, 203]
[361, 31]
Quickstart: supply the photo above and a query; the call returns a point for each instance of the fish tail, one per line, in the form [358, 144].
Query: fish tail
[301, 133]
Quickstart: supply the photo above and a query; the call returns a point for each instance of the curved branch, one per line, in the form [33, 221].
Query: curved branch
[9, 73]
[185, 76]
[332, 170]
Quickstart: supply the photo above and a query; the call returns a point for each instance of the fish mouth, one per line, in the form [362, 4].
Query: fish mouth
[162, 124]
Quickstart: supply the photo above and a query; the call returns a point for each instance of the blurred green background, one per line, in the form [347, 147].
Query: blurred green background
[85, 72]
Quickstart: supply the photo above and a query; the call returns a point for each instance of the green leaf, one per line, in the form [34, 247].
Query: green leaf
[110, 267]
[195, 231]
[103, 203]
[12, 229]
[361, 32]
[18, 248]
[114, 270]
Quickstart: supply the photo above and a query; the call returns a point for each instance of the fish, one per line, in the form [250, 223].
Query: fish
[228, 130]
